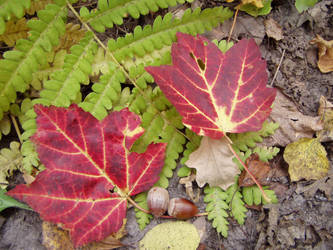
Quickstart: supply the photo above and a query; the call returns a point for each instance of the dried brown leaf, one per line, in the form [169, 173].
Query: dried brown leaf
[15, 30]
[293, 125]
[55, 238]
[258, 168]
[273, 29]
[213, 162]
[325, 54]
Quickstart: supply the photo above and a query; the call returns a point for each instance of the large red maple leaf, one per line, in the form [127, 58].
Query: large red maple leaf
[89, 170]
[215, 92]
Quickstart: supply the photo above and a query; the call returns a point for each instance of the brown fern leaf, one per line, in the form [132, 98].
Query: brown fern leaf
[15, 30]
[73, 35]
[37, 5]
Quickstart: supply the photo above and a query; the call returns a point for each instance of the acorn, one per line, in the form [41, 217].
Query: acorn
[158, 200]
[181, 208]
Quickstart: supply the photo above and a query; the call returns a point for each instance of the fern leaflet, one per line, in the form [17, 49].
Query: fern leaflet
[19, 65]
[142, 218]
[151, 40]
[253, 196]
[244, 141]
[109, 13]
[191, 146]
[64, 86]
[216, 207]
[238, 210]
[10, 160]
[106, 91]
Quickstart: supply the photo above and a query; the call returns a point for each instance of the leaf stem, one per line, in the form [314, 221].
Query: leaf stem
[233, 24]
[248, 171]
[136, 205]
[18, 132]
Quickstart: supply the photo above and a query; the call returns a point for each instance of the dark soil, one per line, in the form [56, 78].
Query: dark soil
[303, 218]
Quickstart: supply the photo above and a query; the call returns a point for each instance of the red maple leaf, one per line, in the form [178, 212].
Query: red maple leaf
[215, 92]
[89, 170]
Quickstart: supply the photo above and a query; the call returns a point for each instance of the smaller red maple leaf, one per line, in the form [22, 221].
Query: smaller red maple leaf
[89, 170]
[215, 92]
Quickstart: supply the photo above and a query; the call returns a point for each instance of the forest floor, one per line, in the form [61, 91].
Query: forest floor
[303, 217]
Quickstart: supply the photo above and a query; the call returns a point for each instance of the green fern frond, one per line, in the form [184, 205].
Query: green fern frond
[266, 153]
[123, 99]
[216, 207]
[137, 102]
[101, 63]
[223, 45]
[64, 85]
[191, 146]
[244, 141]
[253, 196]
[142, 218]
[30, 157]
[105, 92]
[152, 122]
[152, 119]
[30, 54]
[238, 209]
[175, 142]
[9, 8]
[54, 63]
[109, 13]
[147, 44]
[162, 124]
[10, 160]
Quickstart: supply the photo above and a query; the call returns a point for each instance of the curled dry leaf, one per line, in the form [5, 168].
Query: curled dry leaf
[273, 29]
[213, 162]
[325, 54]
[293, 124]
[258, 168]
[188, 182]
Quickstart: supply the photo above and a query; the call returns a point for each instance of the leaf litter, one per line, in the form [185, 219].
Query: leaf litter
[227, 242]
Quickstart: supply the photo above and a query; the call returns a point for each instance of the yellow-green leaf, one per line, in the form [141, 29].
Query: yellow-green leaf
[171, 235]
[307, 159]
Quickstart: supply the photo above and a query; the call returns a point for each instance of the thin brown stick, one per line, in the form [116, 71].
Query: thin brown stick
[17, 129]
[278, 68]
[251, 175]
[233, 24]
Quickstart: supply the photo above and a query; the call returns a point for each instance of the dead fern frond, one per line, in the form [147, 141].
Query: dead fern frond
[15, 30]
